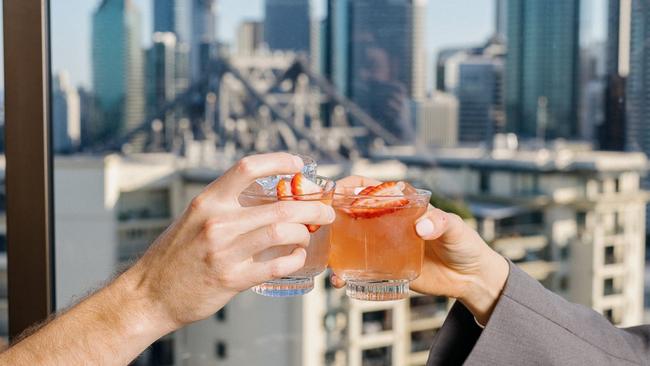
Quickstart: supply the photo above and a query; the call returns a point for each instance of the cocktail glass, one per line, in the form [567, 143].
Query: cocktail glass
[302, 281]
[375, 248]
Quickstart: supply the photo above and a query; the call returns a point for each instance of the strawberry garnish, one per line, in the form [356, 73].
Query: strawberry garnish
[392, 199]
[297, 189]
[283, 189]
[301, 186]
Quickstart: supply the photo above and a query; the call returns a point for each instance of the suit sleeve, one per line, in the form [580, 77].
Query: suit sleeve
[533, 326]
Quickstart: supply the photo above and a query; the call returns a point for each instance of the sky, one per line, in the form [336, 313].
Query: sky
[449, 23]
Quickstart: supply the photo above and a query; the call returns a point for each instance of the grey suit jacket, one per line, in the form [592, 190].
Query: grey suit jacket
[533, 326]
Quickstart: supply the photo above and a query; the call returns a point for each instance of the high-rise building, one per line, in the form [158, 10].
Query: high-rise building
[500, 19]
[337, 45]
[250, 36]
[437, 120]
[480, 98]
[287, 25]
[638, 84]
[117, 68]
[542, 68]
[173, 16]
[378, 60]
[66, 115]
[203, 37]
[161, 71]
[611, 134]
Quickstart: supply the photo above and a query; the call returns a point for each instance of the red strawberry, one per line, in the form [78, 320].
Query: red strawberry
[284, 189]
[369, 207]
[301, 186]
[296, 189]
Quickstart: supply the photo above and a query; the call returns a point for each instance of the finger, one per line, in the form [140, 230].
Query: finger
[244, 173]
[437, 224]
[297, 212]
[278, 267]
[272, 235]
[337, 281]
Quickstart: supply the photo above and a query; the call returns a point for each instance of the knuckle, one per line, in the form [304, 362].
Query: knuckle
[275, 270]
[245, 166]
[212, 228]
[198, 203]
[274, 233]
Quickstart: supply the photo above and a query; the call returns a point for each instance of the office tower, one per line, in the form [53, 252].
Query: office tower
[480, 98]
[447, 67]
[287, 25]
[173, 16]
[250, 35]
[161, 71]
[437, 120]
[611, 134]
[203, 37]
[66, 118]
[638, 83]
[337, 45]
[386, 66]
[500, 19]
[117, 68]
[87, 116]
[542, 68]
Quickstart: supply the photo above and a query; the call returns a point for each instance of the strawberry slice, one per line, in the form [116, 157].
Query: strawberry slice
[392, 194]
[301, 186]
[297, 189]
[283, 190]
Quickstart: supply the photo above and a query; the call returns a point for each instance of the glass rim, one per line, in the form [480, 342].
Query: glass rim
[419, 193]
[307, 195]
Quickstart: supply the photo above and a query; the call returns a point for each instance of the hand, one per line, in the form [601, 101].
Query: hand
[206, 257]
[457, 262]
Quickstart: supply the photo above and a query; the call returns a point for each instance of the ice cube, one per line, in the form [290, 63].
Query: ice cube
[309, 170]
[409, 190]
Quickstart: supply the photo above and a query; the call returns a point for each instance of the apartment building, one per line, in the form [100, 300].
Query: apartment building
[572, 218]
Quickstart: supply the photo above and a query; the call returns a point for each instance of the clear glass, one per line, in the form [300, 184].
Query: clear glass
[318, 250]
[378, 253]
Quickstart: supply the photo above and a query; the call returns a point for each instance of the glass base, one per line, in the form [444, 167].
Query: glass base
[285, 287]
[384, 290]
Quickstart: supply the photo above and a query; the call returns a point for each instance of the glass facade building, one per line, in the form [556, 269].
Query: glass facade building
[542, 68]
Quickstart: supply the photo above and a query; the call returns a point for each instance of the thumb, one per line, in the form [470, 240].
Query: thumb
[440, 225]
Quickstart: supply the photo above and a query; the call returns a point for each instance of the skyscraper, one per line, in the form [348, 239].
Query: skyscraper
[500, 19]
[66, 118]
[287, 25]
[611, 134]
[203, 37]
[161, 71]
[377, 59]
[173, 16]
[117, 67]
[637, 133]
[542, 68]
[250, 35]
[480, 98]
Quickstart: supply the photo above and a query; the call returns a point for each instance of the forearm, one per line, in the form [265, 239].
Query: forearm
[110, 327]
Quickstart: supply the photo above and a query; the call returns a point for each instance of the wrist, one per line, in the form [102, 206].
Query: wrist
[142, 313]
[482, 291]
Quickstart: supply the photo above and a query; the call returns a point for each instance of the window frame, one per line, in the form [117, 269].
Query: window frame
[30, 230]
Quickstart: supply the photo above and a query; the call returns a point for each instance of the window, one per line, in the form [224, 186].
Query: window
[421, 341]
[377, 356]
[377, 321]
[423, 307]
[610, 254]
[135, 137]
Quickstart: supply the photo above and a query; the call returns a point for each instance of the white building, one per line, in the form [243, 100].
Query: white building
[437, 120]
[66, 114]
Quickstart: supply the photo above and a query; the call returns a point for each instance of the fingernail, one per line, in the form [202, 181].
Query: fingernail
[424, 228]
[298, 161]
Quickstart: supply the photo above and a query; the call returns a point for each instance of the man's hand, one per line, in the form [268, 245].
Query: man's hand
[206, 257]
[195, 267]
[457, 262]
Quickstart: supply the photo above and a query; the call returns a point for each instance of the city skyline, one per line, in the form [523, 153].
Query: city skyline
[449, 18]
